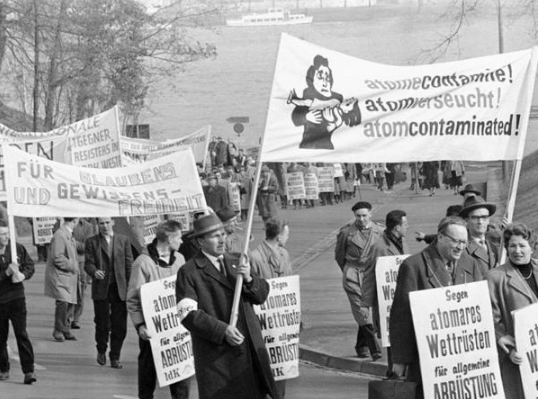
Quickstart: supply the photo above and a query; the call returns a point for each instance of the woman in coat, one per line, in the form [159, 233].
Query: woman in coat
[267, 194]
[512, 286]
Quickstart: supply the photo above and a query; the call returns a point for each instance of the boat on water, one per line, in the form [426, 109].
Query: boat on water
[274, 16]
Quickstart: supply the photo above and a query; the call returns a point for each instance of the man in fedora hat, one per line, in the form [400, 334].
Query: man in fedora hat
[477, 214]
[469, 191]
[234, 242]
[230, 361]
[215, 195]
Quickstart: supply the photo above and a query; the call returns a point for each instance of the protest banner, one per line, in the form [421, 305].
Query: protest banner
[456, 342]
[184, 218]
[171, 343]
[42, 230]
[475, 109]
[526, 336]
[38, 187]
[280, 319]
[295, 187]
[139, 150]
[338, 172]
[95, 142]
[150, 226]
[311, 186]
[326, 179]
[386, 273]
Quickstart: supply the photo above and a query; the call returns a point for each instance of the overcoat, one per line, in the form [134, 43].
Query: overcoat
[61, 273]
[487, 259]
[421, 271]
[509, 291]
[97, 258]
[224, 371]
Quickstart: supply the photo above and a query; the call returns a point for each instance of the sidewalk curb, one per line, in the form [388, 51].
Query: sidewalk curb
[324, 359]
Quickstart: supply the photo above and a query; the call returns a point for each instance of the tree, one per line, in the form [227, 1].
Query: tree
[92, 54]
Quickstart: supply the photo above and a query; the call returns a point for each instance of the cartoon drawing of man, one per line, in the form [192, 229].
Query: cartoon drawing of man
[321, 110]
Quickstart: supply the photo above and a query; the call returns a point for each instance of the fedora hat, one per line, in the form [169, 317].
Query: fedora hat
[469, 188]
[206, 224]
[476, 202]
[226, 213]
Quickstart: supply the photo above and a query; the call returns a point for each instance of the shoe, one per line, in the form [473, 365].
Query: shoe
[115, 364]
[101, 359]
[29, 378]
[75, 325]
[70, 337]
[4, 375]
[58, 338]
[376, 356]
[363, 353]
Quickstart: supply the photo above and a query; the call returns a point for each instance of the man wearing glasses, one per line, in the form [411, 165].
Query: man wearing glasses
[443, 263]
[477, 213]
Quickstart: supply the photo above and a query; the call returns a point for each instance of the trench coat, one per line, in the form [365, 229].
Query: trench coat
[224, 371]
[421, 271]
[62, 271]
[509, 291]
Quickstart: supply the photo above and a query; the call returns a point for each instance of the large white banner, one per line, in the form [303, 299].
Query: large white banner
[386, 273]
[38, 187]
[171, 343]
[138, 150]
[456, 342]
[280, 319]
[332, 107]
[526, 336]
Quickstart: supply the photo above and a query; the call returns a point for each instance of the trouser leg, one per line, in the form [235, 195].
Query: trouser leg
[4, 331]
[18, 320]
[181, 389]
[101, 318]
[118, 322]
[61, 316]
[147, 377]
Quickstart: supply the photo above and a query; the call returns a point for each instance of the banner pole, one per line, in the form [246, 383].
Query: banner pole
[252, 204]
[12, 237]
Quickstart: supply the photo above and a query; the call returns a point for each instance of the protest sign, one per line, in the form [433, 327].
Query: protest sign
[311, 186]
[386, 273]
[331, 107]
[150, 226]
[95, 141]
[38, 187]
[280, 319]
[138, 150]
[171, 343]
[295, 186]
[456, 342]
[184, 218]
[338, 172]
[326, 179]
[42, 230]
[526, 336]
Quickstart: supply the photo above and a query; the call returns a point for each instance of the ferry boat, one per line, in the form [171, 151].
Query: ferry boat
[274, 16]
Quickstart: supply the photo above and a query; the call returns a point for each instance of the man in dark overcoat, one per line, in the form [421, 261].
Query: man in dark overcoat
[443, 263]
[231, 361]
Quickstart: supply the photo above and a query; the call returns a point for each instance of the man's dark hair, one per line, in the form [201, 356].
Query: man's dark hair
[67, 220]
[394, 218]
[166, 228]
[361, 205]
[273, 227]
[454, 210]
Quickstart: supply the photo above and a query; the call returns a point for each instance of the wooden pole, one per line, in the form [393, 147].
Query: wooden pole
[12, 237]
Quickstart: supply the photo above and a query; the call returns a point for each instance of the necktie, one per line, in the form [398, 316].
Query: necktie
[450, 268]
[221, 264]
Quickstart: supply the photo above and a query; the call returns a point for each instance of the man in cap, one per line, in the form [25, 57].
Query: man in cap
[230, 361]
[477, 213]
[443, 263]
[215, 195]
[234, 242]
[353, 253]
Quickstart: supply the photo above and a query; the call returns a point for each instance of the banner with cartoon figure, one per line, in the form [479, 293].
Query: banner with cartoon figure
[332, 107]
[38, 187]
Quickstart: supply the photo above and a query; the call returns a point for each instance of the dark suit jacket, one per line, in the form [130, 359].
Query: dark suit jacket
[215, 197]
[487, 260]
[97, 258]
[224, 371]
[421, 271]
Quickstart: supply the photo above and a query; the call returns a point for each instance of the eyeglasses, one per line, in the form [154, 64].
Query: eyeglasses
[479, 217]
[457, 242]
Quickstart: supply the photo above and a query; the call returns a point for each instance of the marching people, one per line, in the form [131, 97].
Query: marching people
[443, 263]
[159, 260]
[215, 195]
[512, 286]
[234, 241]
[457, 171]
[61, 278]
[477, 214]
[13, 305]
[108, 260]
[353, 254]
[231, 362]
[267, 190]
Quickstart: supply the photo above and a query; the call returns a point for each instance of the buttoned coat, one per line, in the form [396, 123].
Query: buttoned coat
[422, 271]
[224, 371]
[62, 271]
[97, 258]
[487, 259]
[509, 291]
